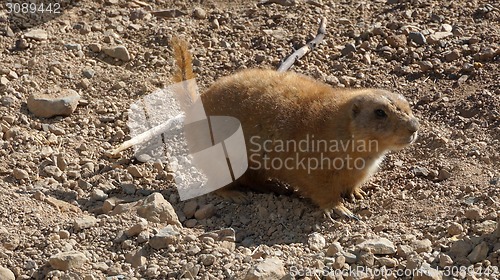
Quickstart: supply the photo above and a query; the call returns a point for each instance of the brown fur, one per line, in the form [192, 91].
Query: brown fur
[284, 106]
[288, 106]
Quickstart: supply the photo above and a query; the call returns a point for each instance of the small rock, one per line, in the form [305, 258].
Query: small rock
[4, 81]
[199, 13]
[207, 259]
[22, 44]
[88, 73]
[134, 171]
[344, 21]
[421, 246]
[191, 223]
[387, 262]
[417, 37]
[9, 32]
[420, 171]
[67, 260]
[6, 274]
[269, 269]
[99, 195]
[64, 234]
[438, 36]
[61, 162]
[73, 47]
[333, 249]
[157, 210]
[128, 188]
[443, 175]
[215, 24]
[339, 262]
[379, 246]
[225, 234]
[348, 48]
[446, 27]
[205, 212]
[20, 174]
[120, 52]
[60, 104]
[397, 41]
[455, 229]
[13, 75]
[347, 81]
[259, 58]
[85, 222]
[109, 204]
[190, 208]
[445, 260]
[452, 55]
[95, 47]
[479, 253]
[37, 34]
[119, 85]
[53, 171]
[350, 258]
[137, 228]
[425, 65]
[167, 235]
[366, 258]
[316, 241]
[136, 258]
[474, 214]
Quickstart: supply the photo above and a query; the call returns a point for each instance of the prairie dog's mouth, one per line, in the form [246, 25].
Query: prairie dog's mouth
[405, 142]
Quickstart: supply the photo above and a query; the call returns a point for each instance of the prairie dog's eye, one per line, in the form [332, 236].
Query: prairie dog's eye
[380, 113]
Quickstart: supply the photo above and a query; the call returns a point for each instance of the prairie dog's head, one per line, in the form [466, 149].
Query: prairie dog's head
[383, 116]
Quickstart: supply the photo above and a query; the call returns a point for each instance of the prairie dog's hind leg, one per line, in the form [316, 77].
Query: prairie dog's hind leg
[236, 191]
[233, 194]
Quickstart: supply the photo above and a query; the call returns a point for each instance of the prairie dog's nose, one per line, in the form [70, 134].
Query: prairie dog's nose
[413, 125]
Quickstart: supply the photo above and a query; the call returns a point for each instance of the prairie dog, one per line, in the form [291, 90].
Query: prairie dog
[323, 142]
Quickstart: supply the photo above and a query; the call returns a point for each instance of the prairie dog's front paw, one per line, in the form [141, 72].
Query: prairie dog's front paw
[341, 211]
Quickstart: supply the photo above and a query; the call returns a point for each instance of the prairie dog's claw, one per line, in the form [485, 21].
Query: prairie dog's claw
[342, 211]
[359, 194]
[356, 194]
[234, 196]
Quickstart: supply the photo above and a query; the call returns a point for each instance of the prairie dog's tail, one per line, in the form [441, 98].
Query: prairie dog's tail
[182, 57]
[184, 71]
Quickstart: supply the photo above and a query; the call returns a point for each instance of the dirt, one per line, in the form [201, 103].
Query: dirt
[437, 202]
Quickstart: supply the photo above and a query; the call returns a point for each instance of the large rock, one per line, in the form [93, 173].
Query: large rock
[167, 236]
[269, 269]
[379, 246]
[479, 253]
[316, 241]
[37, 34]
[62, 103]
[6, 274]
[119, 52]
[84, 222]
[157, 210]
[67, 260]
[460, 248]
[422, 245]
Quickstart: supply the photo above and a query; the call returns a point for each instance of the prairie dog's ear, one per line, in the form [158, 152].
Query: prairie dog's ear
[355, 108]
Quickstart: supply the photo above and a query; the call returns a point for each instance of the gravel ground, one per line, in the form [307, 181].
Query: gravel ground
[67, 211]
